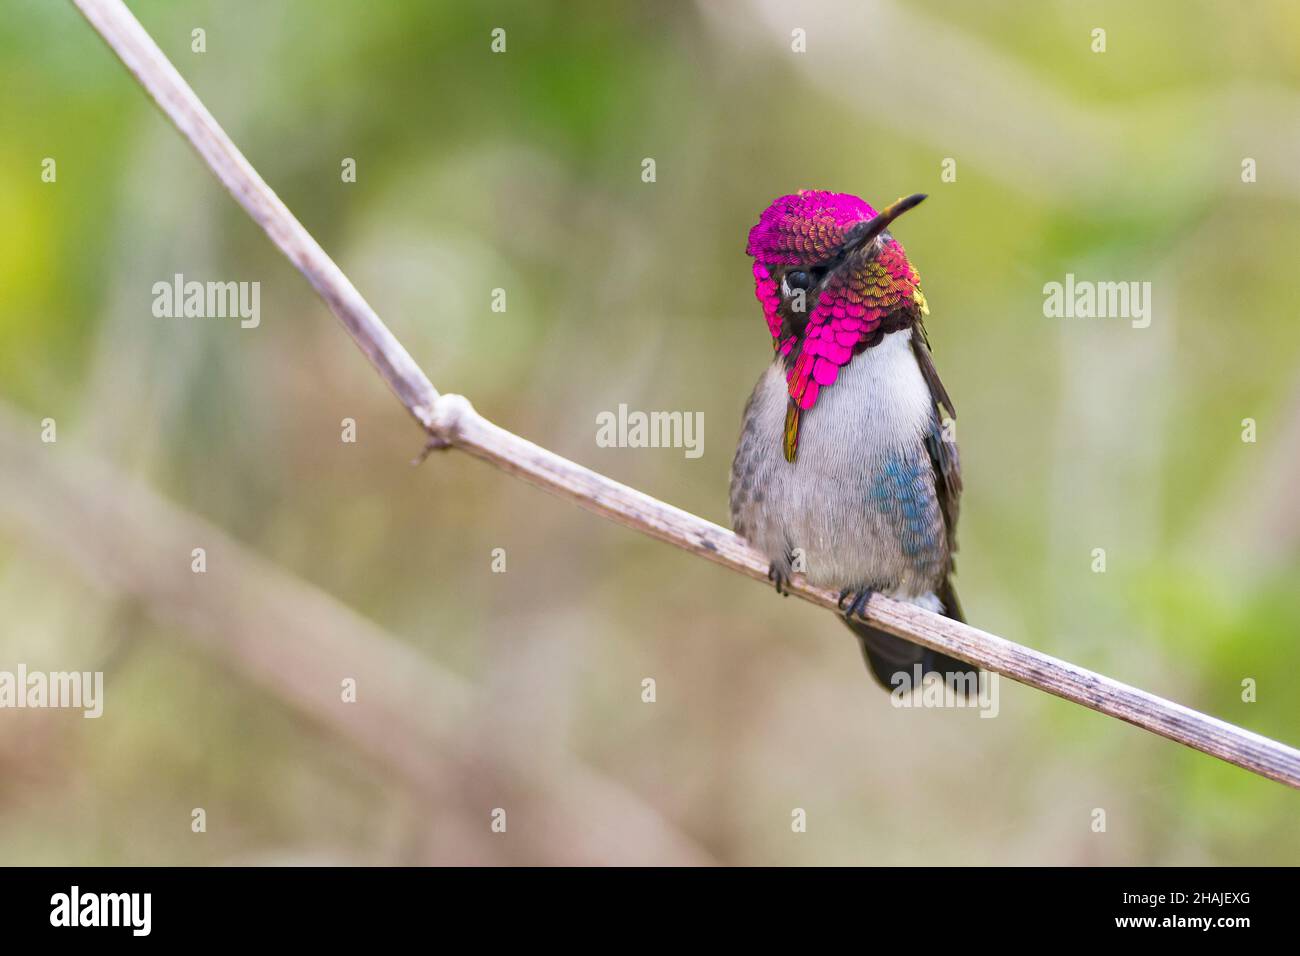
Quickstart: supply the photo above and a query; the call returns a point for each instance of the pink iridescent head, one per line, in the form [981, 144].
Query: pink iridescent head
[832, 282]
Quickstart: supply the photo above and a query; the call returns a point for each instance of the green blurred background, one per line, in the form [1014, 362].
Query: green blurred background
[522, 690]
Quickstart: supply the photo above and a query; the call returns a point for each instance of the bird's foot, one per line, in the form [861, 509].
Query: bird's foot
[852, 603]
[779, 578]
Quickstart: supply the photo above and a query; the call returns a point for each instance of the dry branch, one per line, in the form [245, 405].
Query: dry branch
[450, 420]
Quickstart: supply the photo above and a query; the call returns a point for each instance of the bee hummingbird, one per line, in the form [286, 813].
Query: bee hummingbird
[844, 470]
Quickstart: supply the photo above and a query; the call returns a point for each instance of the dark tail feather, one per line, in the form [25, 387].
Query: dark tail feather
[887, 655]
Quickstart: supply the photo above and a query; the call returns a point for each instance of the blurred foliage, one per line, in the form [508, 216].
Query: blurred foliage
[522, 171]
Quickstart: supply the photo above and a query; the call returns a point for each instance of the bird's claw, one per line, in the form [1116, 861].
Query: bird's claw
[852, 603]
[780, 579]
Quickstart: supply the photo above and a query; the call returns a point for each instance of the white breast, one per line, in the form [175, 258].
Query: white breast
[881, 395]
[879, 406]
[879, 402]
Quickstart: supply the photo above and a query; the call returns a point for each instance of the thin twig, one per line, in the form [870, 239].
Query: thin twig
[451, 419]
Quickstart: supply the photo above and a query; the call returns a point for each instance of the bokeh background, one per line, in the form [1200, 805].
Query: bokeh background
[522, 690]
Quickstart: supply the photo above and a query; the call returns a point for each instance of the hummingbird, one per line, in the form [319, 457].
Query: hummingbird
[846, 470]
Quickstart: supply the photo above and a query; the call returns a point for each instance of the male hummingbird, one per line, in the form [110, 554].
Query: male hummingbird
[845, 468]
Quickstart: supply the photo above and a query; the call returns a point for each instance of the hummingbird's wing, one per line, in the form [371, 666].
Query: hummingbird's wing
[943, 452]
[921, 346]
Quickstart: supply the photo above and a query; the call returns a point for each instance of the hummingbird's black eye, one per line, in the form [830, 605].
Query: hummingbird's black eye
[797, 279]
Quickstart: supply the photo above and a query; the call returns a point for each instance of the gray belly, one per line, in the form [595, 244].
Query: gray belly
[857, 506]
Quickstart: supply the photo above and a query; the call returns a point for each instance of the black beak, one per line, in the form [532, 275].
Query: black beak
[863, 233]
